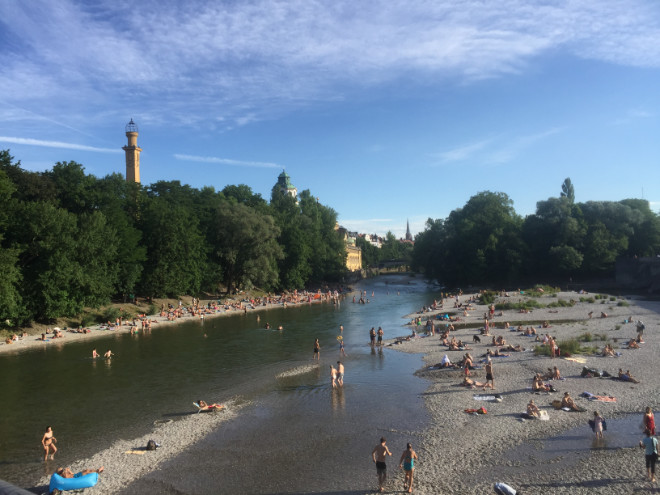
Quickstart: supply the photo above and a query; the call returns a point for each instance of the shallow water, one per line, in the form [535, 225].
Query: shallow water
[326, 435]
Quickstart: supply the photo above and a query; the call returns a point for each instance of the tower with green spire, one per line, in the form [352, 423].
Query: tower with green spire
[284, 183]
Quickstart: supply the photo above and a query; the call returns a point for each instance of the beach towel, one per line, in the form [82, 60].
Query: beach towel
[580, 360]
[136, 452]
[489, 398]
[598, 398]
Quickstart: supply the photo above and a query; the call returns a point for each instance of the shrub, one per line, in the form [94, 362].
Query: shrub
[623, 303]
[587, 299]
[110, 314]
[585, 337]
[612, 298]
[487, 297]
[562, 304]
[528, 304]
[570, 346]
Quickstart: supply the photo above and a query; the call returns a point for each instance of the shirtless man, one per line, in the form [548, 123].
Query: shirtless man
[378, 455]
[489, 375]
[333, 376]
[372, 336]
[380, 335]
[340, 374]
[108, 354]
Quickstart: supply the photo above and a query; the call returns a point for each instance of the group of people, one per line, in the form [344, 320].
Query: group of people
[337, 375]
[107, 355]
[406, 462]
[373, 335]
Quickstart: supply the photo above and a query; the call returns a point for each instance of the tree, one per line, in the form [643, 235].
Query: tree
[567, 190]
[176, 251]
[246, 244]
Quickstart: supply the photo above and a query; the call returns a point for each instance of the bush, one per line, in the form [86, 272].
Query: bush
[562, 304]
[587, 300]
[528, 304]
[487, 297]
[612, 298]
[110, 314]
[571, 346]
[585, 337]
[623, 303]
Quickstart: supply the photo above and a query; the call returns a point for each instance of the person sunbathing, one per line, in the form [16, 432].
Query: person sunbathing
[533, 410]
[513, 348]
[467, 361]
[209, 407]
[67, 473]
[627, 376]
[608, 351]
[567, 401]
[539, 386]
[632, 344]
[500, 341]
[468, 382]
[496, 353]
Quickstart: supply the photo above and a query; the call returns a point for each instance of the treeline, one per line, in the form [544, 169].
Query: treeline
[486, 242]
[69, 240]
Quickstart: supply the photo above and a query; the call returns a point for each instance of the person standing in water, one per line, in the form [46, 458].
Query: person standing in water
[49, 441]
[407, 462]
[380, 335]
[340, 374]
[378, 455]
[333, 376]
[317, 349]
[342, 352]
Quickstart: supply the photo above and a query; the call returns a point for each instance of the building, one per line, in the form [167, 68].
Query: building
[353, 253]
[284, 183]
[132, 153]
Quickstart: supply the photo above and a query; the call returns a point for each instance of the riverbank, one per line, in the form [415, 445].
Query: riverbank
[231, 307]
[466, 453]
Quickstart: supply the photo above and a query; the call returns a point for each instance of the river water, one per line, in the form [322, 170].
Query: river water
[297, 436]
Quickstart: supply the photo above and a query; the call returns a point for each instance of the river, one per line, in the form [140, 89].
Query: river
[297, 436]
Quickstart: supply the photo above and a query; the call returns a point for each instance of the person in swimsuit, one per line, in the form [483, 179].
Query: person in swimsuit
[407, 461]
[380, 335]
[95, 354]
[378, 455]
[333, 376]
[108, 354]
[489, 375]
[209, 407]
[67, 473]
[372, 336]
[340, 374]
[317, 350]
[342, 352]
[49, 441]
[598, 425]
[649, 421]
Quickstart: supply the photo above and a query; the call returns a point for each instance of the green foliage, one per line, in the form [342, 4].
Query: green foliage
[624, 304]
[526, 304]
[587, 300]
[561, 304]
[488, 297]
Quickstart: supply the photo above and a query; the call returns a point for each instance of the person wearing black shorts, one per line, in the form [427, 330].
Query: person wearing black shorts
[380, 335]
[378, 455]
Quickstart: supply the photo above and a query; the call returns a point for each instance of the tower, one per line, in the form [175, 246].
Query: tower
[284, 183]
[408, 234]
[132, 153]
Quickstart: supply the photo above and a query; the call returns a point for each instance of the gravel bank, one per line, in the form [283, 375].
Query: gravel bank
[465, 454]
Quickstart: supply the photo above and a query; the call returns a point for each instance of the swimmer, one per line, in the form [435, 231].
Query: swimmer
[49, 441]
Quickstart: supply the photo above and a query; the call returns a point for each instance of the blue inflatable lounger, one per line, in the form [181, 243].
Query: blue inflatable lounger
[57, 482]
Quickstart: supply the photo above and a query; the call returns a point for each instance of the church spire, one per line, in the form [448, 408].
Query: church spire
[408, 234]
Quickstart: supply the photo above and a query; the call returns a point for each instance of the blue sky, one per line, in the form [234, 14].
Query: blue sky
[386, 111]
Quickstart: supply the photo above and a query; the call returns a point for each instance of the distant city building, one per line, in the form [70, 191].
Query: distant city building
[284, 183]
[353, 253]
[132, 153]
[409, 236]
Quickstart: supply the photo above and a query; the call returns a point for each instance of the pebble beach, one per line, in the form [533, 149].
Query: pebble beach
[466, 453]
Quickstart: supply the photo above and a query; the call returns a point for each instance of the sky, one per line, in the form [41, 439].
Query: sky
[387, 111]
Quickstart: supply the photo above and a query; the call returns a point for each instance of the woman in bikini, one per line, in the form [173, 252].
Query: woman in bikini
[49, 441]
[407, 462]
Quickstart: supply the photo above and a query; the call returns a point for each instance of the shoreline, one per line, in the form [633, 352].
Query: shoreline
[31, 341]
[466, 454]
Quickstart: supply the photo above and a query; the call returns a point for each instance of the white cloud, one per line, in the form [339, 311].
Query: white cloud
[510, 150]
[55, 144]
[462, 153]
[248, 60]
[225, 161]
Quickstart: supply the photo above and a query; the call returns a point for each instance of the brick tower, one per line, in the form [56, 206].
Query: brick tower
[132, 153]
